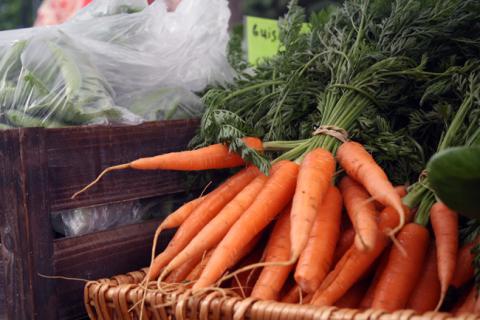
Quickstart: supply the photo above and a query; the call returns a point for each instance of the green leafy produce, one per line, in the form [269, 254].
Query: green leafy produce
[454, 175]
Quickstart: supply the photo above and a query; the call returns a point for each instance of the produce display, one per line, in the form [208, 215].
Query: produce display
[348, 141]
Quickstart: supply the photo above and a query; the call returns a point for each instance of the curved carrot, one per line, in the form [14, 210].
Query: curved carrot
[355, 263]
[401, 190]
[367, 299]
[272, 278]
[314, 178]
[208, 209]
[362, 212]
[402, 273]
[216, 156]
[344, 243]
[361, 166]
[426, 294]
[218, 227]
[275, 195]
[464, 265]
[316, 259]
[445, 227]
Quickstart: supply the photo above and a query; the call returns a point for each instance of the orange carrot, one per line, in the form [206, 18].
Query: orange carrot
[400, 190]
[354, 264]
[275, 195]
[293, 295]
[361, 166]
[426, 294]
[362, 212]
[346, 240]
[208, 209]
[354, 295]
[367, 299]
[445, 227]
[272, 278]
[464, 265]
[243, 283]
[201, 263]
[316, 259]
[402, 273]
[218, 227]
[179, 274]
[216, 156]
[314, 178]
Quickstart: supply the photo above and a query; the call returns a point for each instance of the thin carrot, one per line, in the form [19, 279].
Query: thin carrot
[402, 273]
[208, 209]
[426, 294]
[275, 195]
[445, 227]
[216, 156]
[218, 227]
[362, 212]
[314, 178]
[179, 274]
[355, 263]
[293, 295]
[361, 166]
[316, 259]
[201, 263]
[354, 295]
[272, 278]
[367, 299]
[344, 242]
[464, 265]
[401, 190]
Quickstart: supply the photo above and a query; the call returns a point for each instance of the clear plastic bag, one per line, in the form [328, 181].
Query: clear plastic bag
[117, 61]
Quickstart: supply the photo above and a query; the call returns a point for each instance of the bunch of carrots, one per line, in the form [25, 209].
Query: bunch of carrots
[284, 237]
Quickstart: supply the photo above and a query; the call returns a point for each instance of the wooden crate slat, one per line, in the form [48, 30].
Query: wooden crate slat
[106, 146]
[128, 247]
[24, 228]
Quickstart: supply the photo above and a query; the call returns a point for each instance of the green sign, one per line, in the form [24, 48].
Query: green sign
[262, 37]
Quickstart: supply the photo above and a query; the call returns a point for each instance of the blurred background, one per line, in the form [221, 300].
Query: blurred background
[22, 13]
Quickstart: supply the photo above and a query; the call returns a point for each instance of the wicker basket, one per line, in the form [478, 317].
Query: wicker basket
[119, 297]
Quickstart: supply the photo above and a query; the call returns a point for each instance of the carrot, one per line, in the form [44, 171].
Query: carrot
[401, 190]
[362, 212]
[275, 195]
[201, 263]
[464, 265]
[316, 259]
[344, 242]
[401, 273]
[468, 305]
[216, 156]
[243, 283]
[426, 294]
[182, 272]
[445, 227]
[314, 178]
[361, 166]
[354, 295]
[355, 263]
[272, 278]
[367, 299]
[208, 209]
[293, 295]
[218, 227]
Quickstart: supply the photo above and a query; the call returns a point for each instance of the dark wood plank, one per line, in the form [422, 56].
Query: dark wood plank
[3, 306]
[77, 155]
[13, 229]
[100, 255]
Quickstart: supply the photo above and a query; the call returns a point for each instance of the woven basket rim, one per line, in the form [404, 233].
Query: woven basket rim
[106, 297]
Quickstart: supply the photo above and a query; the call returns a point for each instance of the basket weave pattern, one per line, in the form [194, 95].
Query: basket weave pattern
[119, 298]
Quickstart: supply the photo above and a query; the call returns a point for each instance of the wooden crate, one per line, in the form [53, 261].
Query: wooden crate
[39, 171]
